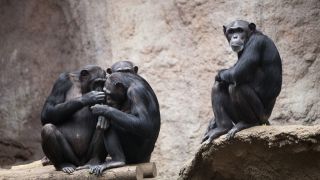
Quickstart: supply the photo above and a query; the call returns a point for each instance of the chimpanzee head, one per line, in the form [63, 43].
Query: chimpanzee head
[92, 78]
[115, 88]
[123, 66]
[238, 33]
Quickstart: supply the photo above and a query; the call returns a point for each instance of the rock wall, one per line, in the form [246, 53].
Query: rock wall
[39, 39]
[178, 46]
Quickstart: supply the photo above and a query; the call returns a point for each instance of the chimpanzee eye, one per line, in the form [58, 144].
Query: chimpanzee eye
[124, 70]
[230, 31]
[240, 30]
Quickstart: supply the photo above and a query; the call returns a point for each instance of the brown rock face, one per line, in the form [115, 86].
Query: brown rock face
[265, 152]
[38, 41]
[178, 46]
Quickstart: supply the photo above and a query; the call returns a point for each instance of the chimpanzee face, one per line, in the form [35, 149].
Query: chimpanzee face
[92, 78]
[115, 93]
[238, 33]
[237, 38]
[97, 84]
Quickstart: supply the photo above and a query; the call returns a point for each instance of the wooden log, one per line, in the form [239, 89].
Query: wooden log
[149, 169]
[35, 170]
[124, 173]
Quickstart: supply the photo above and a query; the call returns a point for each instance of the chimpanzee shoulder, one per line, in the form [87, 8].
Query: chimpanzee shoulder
[62, 84]
[256, 38]
[143, 89]
[57, 95]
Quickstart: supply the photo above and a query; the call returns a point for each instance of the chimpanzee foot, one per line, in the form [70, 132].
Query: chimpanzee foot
[238, 127]
[232, 133]
[45, 161]
[211, 126]
[87, 166]
[97, 170]
[214, 134]
[67, 168]
[210, 136]
[92, 163]
[206, 137]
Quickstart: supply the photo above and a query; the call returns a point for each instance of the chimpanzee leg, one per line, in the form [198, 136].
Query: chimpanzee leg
[114, 149]
[57, 149]
[248, 106]
[223, 111]
[96, 153]
[212, 125]
[45, 161]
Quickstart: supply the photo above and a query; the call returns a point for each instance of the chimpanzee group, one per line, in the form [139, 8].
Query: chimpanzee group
[90, 115]
[94, 113]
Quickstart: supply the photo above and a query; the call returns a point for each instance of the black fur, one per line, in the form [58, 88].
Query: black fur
[244, 95]
[68, 133]
[135, 122]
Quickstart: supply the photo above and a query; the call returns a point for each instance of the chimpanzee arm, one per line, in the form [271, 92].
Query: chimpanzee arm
[248, 63]
[134, 123]
[55, 109]
[137, 121]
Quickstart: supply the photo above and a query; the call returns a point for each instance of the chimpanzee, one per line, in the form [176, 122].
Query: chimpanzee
[123, 66]
[69, 135]
[134, 115]
[244, 95]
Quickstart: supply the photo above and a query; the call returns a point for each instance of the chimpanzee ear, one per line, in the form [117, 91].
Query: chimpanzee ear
[109, 71]
[135, 69]
[84, 75]
[252, 26]
[224, 29]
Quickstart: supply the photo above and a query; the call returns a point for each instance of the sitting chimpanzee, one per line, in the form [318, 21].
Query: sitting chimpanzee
[123, 66]
[134, 115]
[244, 95]
[69, 135]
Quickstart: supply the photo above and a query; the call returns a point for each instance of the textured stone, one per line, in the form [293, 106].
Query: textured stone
[265, 152]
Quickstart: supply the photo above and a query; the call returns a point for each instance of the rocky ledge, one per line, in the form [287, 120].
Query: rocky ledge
[263, 152]
[35, 171]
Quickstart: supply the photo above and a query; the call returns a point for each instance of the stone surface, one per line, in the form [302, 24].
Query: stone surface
[178, 46]
[265, 152]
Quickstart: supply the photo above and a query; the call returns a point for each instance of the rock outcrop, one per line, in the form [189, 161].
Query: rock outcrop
[262, 152]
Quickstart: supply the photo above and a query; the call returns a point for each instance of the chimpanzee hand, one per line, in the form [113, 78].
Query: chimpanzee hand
[100, 109]
[218, 76]
[93, 97]
[103, 123]
[224, 76]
